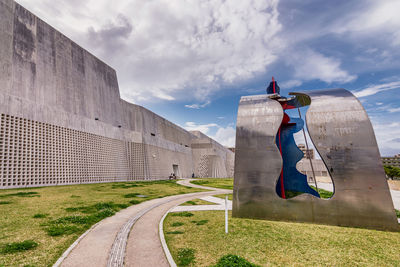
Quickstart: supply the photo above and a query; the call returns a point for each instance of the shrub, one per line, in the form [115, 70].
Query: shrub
[183, 214]
[175, 224]
[39, 215]
[186, 256]
[391, 171]
[18, 246]
[398, 213]
[233, 261]
[5, 202]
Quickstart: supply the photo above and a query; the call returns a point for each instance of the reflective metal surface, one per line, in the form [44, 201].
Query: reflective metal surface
[257, 158]
[342, 133]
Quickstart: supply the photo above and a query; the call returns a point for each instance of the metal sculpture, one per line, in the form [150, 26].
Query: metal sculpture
[267, 184]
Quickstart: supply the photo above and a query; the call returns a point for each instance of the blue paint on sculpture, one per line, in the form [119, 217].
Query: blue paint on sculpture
[294, 182]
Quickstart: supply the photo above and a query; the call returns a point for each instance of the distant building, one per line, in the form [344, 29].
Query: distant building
[232, 149]
[321, 173]
[308, 153]
[392, 161]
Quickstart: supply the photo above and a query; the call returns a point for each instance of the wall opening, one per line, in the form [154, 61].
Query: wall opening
[175, 169]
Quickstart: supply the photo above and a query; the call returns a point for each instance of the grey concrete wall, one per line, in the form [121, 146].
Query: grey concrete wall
[47, 79]
[211, 159]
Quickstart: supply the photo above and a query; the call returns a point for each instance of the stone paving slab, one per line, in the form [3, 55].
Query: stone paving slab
[216, 200]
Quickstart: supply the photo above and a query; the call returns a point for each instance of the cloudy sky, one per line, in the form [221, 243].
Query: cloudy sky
[190, 61]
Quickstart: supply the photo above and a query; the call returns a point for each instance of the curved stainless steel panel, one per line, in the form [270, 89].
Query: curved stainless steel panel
[257, 158]
[343, 134]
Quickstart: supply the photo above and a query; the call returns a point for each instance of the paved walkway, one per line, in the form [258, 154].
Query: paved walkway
[114, 242]
[131, 238]
[220, 205]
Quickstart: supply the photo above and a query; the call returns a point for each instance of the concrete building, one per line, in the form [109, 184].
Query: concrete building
[321, 173]
[392, 161]
[63, 121]
[308, 153]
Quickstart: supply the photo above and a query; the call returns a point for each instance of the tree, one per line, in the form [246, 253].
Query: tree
[391, 171]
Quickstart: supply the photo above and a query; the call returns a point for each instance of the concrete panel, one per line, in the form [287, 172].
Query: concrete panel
[50, 86]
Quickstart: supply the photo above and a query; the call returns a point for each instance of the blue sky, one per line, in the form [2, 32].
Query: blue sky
[190, 61]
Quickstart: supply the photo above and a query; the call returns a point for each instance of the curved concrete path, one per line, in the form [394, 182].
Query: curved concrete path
[112, 242]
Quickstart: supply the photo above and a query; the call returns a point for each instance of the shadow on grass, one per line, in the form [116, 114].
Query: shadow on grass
[175, 232]
[21, 194]
[182, 214]
[202, 222]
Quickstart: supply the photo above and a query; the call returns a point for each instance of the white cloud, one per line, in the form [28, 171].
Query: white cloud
[291, 83]
[374, 89]
[393, 110]
[386, 135]
[171, 49]
[198, 106]
[204, 128]
[311, 65]
[225, 136]
[376, 16]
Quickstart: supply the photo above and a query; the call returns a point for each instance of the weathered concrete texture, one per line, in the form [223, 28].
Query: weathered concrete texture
[210, 158]
[62, 115]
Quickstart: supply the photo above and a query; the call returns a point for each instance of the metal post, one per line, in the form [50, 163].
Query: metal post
[308, 154]
[226, 214]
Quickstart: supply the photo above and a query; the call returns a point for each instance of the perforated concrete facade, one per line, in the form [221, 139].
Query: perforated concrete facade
[63, 121]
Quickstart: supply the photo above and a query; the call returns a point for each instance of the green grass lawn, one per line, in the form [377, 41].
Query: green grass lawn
[38, 224]
[223, 196]
[270, 243]
[224, 183]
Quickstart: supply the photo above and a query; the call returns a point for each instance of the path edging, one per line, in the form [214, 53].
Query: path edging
[70, 248]
[162, 239]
